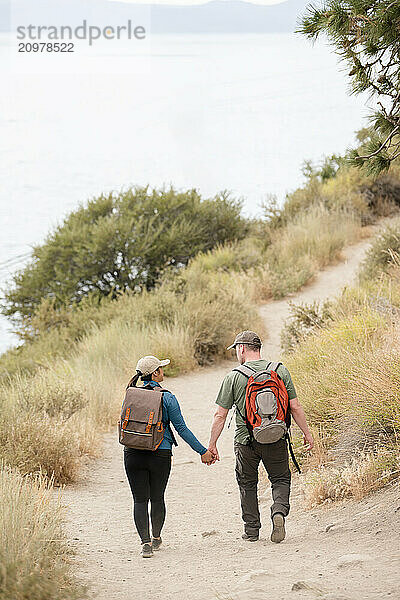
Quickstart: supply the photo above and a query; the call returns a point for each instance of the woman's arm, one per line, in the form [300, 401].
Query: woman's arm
[176, 418]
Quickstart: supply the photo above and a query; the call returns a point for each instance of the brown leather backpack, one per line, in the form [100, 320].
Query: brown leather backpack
[140, 425]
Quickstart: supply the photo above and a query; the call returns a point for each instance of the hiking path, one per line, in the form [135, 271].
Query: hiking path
[347, 552]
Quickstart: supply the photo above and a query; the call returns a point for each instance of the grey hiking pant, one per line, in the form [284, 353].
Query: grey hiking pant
[276, 462]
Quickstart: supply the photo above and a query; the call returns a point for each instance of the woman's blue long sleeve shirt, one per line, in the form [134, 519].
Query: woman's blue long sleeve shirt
[172, 414]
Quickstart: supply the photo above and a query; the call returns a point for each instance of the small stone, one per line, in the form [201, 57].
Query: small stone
[328, 527]
[299, 585]
[351, 560]
[208, 533]
[303, 585]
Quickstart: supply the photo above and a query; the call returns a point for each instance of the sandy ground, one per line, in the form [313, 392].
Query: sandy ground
[349, 552]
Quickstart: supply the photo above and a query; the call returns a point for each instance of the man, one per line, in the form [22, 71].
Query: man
[248, 451]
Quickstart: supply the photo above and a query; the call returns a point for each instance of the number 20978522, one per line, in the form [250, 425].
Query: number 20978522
[46, 47]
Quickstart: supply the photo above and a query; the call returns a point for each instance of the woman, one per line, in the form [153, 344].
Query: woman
[148, 471]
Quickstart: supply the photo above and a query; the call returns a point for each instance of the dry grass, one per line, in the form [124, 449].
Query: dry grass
[348, 377]
[33, 551]
[308, 243]
[382, 254]
[366, 473]
[66, 403]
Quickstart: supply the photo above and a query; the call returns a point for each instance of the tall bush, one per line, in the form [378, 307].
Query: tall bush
[122, 241]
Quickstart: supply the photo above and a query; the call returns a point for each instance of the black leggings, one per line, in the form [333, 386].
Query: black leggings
[148, 474]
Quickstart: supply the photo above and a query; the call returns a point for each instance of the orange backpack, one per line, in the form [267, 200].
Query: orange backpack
[267, 414]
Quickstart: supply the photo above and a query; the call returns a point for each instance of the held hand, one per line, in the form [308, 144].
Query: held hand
[207, 458]
[308, 441]
[214, 452]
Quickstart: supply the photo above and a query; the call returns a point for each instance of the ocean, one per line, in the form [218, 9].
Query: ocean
[237, 112]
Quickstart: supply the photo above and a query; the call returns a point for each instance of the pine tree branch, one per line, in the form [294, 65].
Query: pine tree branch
[382, 146]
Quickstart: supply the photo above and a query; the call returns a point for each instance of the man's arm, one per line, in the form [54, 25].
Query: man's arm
[216, 429]
[300, 418]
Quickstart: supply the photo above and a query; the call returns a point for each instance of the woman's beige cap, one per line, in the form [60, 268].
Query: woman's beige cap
[148, 364]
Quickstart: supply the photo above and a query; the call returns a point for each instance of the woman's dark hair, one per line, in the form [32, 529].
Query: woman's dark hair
[134, 380]
[147, 377]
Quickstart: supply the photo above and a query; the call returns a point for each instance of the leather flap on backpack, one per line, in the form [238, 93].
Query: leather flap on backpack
[143, 403]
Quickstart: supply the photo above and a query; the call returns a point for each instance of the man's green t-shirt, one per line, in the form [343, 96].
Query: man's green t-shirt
[233, 391]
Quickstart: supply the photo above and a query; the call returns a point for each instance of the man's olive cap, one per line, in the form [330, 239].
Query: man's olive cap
[246, 337]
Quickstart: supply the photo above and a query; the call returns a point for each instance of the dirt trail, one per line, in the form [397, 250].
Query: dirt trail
[203, 556]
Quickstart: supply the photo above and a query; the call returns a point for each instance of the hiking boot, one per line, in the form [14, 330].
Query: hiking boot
[147, 550]
[156, 543]
[250, 538]
[278, 528]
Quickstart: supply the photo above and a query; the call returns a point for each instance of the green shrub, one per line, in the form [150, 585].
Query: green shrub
[122, 241]
[238, 256]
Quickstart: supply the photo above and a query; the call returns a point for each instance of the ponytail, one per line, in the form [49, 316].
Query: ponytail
[134, 380]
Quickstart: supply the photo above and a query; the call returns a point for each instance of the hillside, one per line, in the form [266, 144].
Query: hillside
[70, 372]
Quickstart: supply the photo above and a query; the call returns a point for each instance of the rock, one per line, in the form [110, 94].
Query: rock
[351, 560]
[303, 585]
[328, 527]
[254, 585]
[252, 576]
[208, 533]
[300, 585]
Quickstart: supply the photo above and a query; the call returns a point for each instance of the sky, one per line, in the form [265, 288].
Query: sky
[191, 2]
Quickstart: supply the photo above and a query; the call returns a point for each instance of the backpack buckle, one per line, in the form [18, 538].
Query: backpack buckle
[125, 423]
[150, 423]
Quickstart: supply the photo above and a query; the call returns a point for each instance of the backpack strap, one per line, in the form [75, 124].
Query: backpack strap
[168, 423]
[289, 442]
[273, 366]
[245, 370]
[155, 389]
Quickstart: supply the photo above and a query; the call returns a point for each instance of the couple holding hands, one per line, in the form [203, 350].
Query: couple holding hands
[264, 397]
